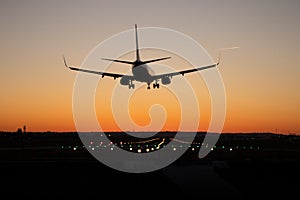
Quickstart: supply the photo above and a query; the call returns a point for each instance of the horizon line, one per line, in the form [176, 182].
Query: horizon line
[167, 131]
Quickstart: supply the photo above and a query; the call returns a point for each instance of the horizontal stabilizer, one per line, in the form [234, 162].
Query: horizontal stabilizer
[155, 60]
[120, 61]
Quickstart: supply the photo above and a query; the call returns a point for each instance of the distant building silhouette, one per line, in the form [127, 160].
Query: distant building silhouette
[19, 130]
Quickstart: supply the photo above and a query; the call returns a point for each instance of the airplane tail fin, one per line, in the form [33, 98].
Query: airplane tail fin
[136, 50]
[137, 44]
[138, 53]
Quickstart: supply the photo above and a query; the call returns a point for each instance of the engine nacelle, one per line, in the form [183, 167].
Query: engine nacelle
[125, 80]
[165, 80]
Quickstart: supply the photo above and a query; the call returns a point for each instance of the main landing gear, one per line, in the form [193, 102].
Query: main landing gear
[131, 85]
[155, 85]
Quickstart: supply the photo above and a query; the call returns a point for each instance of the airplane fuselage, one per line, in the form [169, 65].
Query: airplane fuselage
[143, 73]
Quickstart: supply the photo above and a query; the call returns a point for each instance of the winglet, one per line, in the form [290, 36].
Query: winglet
[219, 59]
[65, 62]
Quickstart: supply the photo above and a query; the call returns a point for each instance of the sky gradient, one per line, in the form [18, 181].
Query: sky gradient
[261, 78]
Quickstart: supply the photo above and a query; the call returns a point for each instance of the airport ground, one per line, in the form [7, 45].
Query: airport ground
[241, 166]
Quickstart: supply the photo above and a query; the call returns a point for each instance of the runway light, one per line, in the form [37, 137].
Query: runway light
[230, 149]
[130, 149]
[174, 149]
[139, 150]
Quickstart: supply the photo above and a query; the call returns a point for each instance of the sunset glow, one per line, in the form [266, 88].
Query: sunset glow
[261, 78]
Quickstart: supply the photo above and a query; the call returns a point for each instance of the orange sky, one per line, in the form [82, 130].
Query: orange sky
[261, 78]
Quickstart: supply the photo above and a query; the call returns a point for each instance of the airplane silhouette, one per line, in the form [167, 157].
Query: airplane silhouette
[141, 71]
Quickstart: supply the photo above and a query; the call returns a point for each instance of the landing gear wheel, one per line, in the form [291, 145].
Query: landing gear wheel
[131, 86]
[155, 85]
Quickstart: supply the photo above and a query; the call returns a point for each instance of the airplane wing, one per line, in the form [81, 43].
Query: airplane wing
[184, 71]
[103, 74]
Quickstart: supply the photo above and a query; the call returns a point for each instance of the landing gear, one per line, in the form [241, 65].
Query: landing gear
[131, 85]
[156, 84]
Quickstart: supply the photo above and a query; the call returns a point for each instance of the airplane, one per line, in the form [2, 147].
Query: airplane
[141, 71]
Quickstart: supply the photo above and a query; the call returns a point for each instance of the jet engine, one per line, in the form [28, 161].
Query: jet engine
[165, 80]
[125, 80]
